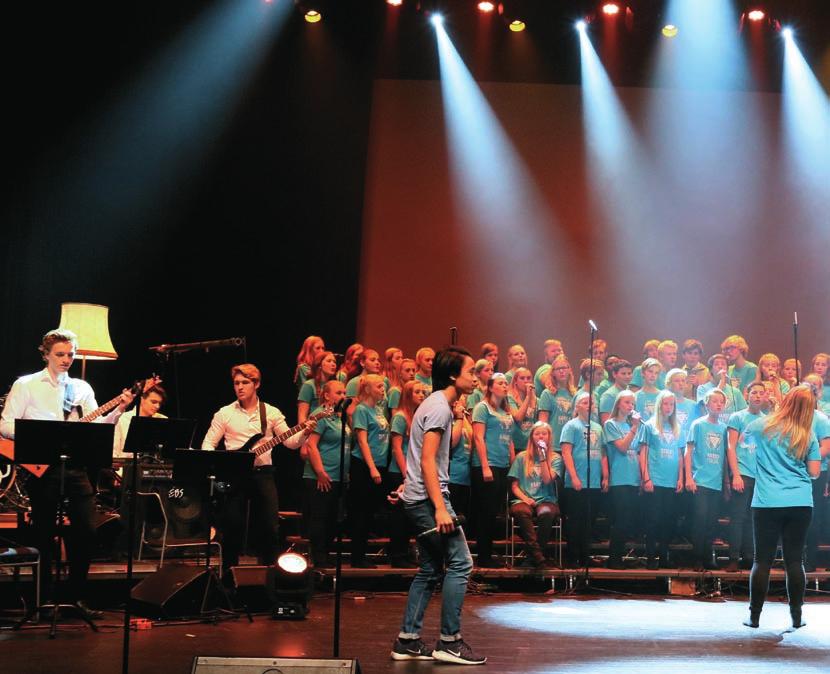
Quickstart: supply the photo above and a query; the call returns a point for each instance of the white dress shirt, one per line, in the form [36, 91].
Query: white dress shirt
[38, 396]
[120, 435]
[238, 426]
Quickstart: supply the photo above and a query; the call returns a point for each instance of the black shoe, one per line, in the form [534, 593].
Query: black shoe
[752, 620]
[457, 652]
[363, 564]
[87, 612]
[410, 649]
[798, 623]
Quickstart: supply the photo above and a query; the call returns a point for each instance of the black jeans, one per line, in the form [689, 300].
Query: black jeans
[365, 499]
[625, 511]
[706, 505]
[44, 495]
[261, 489]
[790, 524]
[818, 531]
[489, 499]
[399, 526]
[321, 514]
[740, 521]
[661, 507]
[577, 527]
[460, 499]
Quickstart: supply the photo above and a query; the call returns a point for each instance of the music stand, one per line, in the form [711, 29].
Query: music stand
[159, 436]
[197, 467]
[65, 444]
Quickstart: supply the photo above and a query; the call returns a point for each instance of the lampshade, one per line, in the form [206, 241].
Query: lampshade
[90, 322]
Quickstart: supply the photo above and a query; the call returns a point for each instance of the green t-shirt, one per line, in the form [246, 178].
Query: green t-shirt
[533, 485]
[328, 443]
[399, 427]
[498, 434]
[371, 420]
[560, 411]
[521, 430]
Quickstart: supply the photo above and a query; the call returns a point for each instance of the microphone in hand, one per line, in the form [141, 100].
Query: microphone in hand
[458, 521]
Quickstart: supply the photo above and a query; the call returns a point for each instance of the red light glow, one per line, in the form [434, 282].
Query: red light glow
[486, 7]
[394, 3]
[756, 15]
[610, 9]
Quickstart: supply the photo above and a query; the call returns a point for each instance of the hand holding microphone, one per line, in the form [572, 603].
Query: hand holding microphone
[543, 449]
[458, 520]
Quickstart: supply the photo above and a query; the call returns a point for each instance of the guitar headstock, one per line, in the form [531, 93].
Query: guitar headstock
[327, 411]
[143, 385]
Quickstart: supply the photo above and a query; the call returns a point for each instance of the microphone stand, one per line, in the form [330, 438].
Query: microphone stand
[454, 336]
[131, 494]
[593, 327]
[795, 349]
[338, 565]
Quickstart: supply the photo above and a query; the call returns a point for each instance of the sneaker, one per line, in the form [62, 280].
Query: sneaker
[410, 649]
[456, 651]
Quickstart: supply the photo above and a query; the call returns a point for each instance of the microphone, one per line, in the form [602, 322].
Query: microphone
[795, 318]
[593, 326]
[543, 449]
[343, 404]
[458, 521]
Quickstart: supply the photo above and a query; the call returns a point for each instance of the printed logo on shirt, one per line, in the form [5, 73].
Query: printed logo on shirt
[736, 383]
[682, 417]
[563, 404]
[713, 440]
[747, 444]
[594, 438]
[668, 437]
[649, 409]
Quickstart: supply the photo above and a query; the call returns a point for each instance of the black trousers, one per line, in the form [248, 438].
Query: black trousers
[625, 511]
[546, 513]
[460, 499]
[489, 500]
[261, 490]
[770, 524]
[706, 505]
[740, 521]
[44, 495]
[577, 527]
[321, 518]
[818, 531]
[365, 500]
[661, 508]
[399, 525]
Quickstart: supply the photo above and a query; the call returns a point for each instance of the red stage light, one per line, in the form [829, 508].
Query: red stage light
[486, 6]
[394, 3]
[756, 15]
[611, 9]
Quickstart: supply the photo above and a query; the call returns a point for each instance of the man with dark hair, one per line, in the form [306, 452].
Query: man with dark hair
[426, 500]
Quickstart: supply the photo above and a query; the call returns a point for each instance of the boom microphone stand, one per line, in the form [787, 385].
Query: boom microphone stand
[593, 327]
[795, 348]
[338, 565]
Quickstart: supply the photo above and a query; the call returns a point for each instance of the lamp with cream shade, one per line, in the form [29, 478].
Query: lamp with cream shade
[90, 322]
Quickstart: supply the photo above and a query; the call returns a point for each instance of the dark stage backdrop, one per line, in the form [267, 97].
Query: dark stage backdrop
[700, 235]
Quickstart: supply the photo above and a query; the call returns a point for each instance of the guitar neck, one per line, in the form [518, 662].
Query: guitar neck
[277, 439]
[101, 411]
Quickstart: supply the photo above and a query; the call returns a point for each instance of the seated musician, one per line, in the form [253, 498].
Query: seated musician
[151, 402]
[52, 394]
[244, 418]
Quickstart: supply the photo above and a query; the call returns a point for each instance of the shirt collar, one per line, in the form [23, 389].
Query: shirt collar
[61, 380]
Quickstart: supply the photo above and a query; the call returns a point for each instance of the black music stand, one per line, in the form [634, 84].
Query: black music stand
[63, 444]
[158, 436]
[198, 467]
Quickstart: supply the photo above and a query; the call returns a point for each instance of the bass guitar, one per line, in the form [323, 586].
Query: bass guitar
[140, 387]
[259, 446]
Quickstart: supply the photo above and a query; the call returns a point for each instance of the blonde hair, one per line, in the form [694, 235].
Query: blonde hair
[392, 373]
[660, 421]
[365, 386]
[248, 371]
[793, 421]
[518, 394]
[58, 335]
[530, 448]
[735, 340]
[616, 409]
[559, 361]
[407, 405]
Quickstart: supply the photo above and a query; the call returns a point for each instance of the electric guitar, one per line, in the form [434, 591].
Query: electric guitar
[140, 387]
[258, 446]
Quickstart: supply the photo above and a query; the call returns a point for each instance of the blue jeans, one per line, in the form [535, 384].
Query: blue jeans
[437, 551]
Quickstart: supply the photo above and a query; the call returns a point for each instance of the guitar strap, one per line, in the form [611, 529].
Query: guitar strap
[263, 422]
[68, 398]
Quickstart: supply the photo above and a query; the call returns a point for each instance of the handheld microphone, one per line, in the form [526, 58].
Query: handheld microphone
[458, 521]
[593, 326]
[543, 449]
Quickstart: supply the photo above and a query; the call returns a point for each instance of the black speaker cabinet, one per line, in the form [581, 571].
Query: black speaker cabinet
[174, 591]
[211, 665]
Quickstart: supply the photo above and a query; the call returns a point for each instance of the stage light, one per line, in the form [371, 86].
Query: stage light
[486, 7]
[437, 20]
[581, 26]
[756, 15]
[611, 9]
[787, 33]
[669, 30]
[289, 587]
[313, 16]
[394, 3]
[517, 25]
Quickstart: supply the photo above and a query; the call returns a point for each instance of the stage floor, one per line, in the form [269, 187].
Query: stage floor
[527, 634]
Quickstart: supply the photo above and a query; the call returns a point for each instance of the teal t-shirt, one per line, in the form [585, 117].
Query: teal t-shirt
[644, 403]
[393, 398]
[576, 433]
[624, 468]
[398, 426]
[426, 381]
[540, 385]
[608, 398]
[302, 374]
[603, 386]
[637, 377]
[594, 404]
[821, 427]
[328, 443]
[498, 434]
[740, 378]
[665, 452]
[308, 394]
[460, 456]
[735, 402]
[745, 447]
[521, 430]
[372, 420]
[533, 485]
[475, 398]
[781, 481]
[709, 442]
[686, 411]
[559, 407]
[353, 387]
